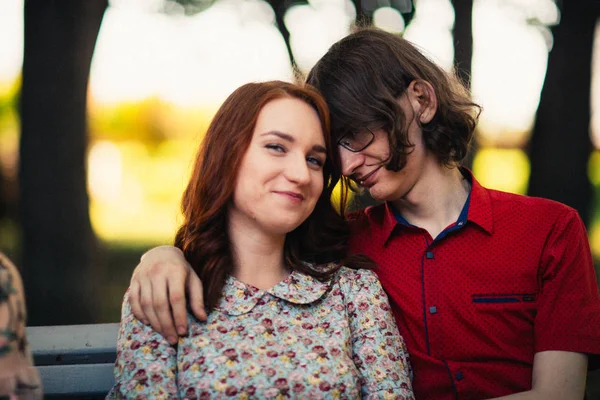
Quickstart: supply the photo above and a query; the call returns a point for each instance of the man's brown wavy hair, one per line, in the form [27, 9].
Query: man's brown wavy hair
[203, 236]
[363, 75]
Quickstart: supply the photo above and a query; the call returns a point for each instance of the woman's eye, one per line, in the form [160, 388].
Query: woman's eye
[315, 161]
[277, 147]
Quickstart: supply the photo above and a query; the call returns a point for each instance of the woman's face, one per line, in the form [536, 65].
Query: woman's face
[281, 175]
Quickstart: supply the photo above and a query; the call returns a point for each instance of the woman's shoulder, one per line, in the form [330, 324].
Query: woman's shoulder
[356, 280]
[356, 273]
[343, 275]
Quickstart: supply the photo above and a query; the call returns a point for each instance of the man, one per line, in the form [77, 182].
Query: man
[494, 293]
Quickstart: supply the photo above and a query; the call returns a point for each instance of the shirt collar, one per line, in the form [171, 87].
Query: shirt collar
[389, 220]
[477, 209]
[298, 288]
[480, 206]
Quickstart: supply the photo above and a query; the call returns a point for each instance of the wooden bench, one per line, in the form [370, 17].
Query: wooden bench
[78, 360]
[75, 360]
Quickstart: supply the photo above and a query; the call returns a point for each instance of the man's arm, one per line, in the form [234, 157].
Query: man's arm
[557, 375]
[568, 313]
[158, 290]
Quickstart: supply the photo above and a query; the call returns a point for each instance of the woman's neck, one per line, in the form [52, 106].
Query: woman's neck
[257, 256]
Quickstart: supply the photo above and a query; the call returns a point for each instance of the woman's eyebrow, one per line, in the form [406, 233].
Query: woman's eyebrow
[319, 149]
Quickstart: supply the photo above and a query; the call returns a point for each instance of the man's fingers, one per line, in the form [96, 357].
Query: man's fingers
[163, 310]
[176, 290]
[194, 288]
[134, 302]
[147, 305]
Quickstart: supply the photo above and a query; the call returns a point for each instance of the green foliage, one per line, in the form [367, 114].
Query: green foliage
[9, 100]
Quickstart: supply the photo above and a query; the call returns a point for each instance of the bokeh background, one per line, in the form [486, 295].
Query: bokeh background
[103, 105]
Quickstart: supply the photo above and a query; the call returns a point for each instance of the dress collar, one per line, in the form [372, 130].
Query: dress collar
[298, 288]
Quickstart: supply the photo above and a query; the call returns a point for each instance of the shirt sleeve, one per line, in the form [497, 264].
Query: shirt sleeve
[146, 365]
[568, 316]
[18, 377]
[379, 351]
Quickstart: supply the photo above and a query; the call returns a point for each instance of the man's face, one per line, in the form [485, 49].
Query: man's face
[368, 169]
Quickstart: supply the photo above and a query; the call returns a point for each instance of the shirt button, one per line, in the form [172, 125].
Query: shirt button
[433, 310]
[429, 254]
[459, 376]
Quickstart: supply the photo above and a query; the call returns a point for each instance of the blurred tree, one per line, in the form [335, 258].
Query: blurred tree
[463, 53]
[190, 7]
[364, 12]
[58, 244]
[560, 145]
[366, 8]
[7, 106]
[463, 39]
[280, 7]
[364, 15]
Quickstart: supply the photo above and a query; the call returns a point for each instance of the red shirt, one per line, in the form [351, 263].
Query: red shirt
[511, 278]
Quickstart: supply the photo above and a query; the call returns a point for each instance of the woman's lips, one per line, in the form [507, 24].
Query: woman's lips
[293, 196]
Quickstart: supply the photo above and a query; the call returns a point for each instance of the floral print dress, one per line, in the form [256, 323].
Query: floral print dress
[301, 339]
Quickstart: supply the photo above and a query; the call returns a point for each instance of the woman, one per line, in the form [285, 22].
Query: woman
[18, 377]
[260, 231]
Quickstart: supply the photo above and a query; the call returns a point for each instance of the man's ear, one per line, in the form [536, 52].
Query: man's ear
[423, 99]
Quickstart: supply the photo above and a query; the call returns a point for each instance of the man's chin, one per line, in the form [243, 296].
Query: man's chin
[377, 195]
[381, 195]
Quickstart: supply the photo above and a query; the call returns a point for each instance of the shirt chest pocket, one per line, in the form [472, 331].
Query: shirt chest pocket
[509, 317]
[519, 300]
[519, 306]
[499, 292]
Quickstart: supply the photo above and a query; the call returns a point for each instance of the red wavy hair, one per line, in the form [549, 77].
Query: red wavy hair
[203, 236]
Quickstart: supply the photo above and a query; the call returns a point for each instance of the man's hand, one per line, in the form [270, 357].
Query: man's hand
[157, 292]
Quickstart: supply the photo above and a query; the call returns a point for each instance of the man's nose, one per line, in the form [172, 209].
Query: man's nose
[350, 161]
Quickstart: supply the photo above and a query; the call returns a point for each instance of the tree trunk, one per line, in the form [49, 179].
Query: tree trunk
[463, 53]
[560, 145]
[364, 17]
[280, 8]
[58, 244]
[463, 39]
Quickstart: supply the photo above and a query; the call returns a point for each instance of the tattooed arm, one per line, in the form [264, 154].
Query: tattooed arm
[18, 378]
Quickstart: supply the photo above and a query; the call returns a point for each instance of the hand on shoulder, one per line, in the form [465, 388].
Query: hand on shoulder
[158, 290]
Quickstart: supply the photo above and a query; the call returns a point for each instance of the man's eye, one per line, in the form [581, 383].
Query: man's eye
[362, 136]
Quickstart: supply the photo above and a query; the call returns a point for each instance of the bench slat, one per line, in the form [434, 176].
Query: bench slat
[76, 380]
[73, 344]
